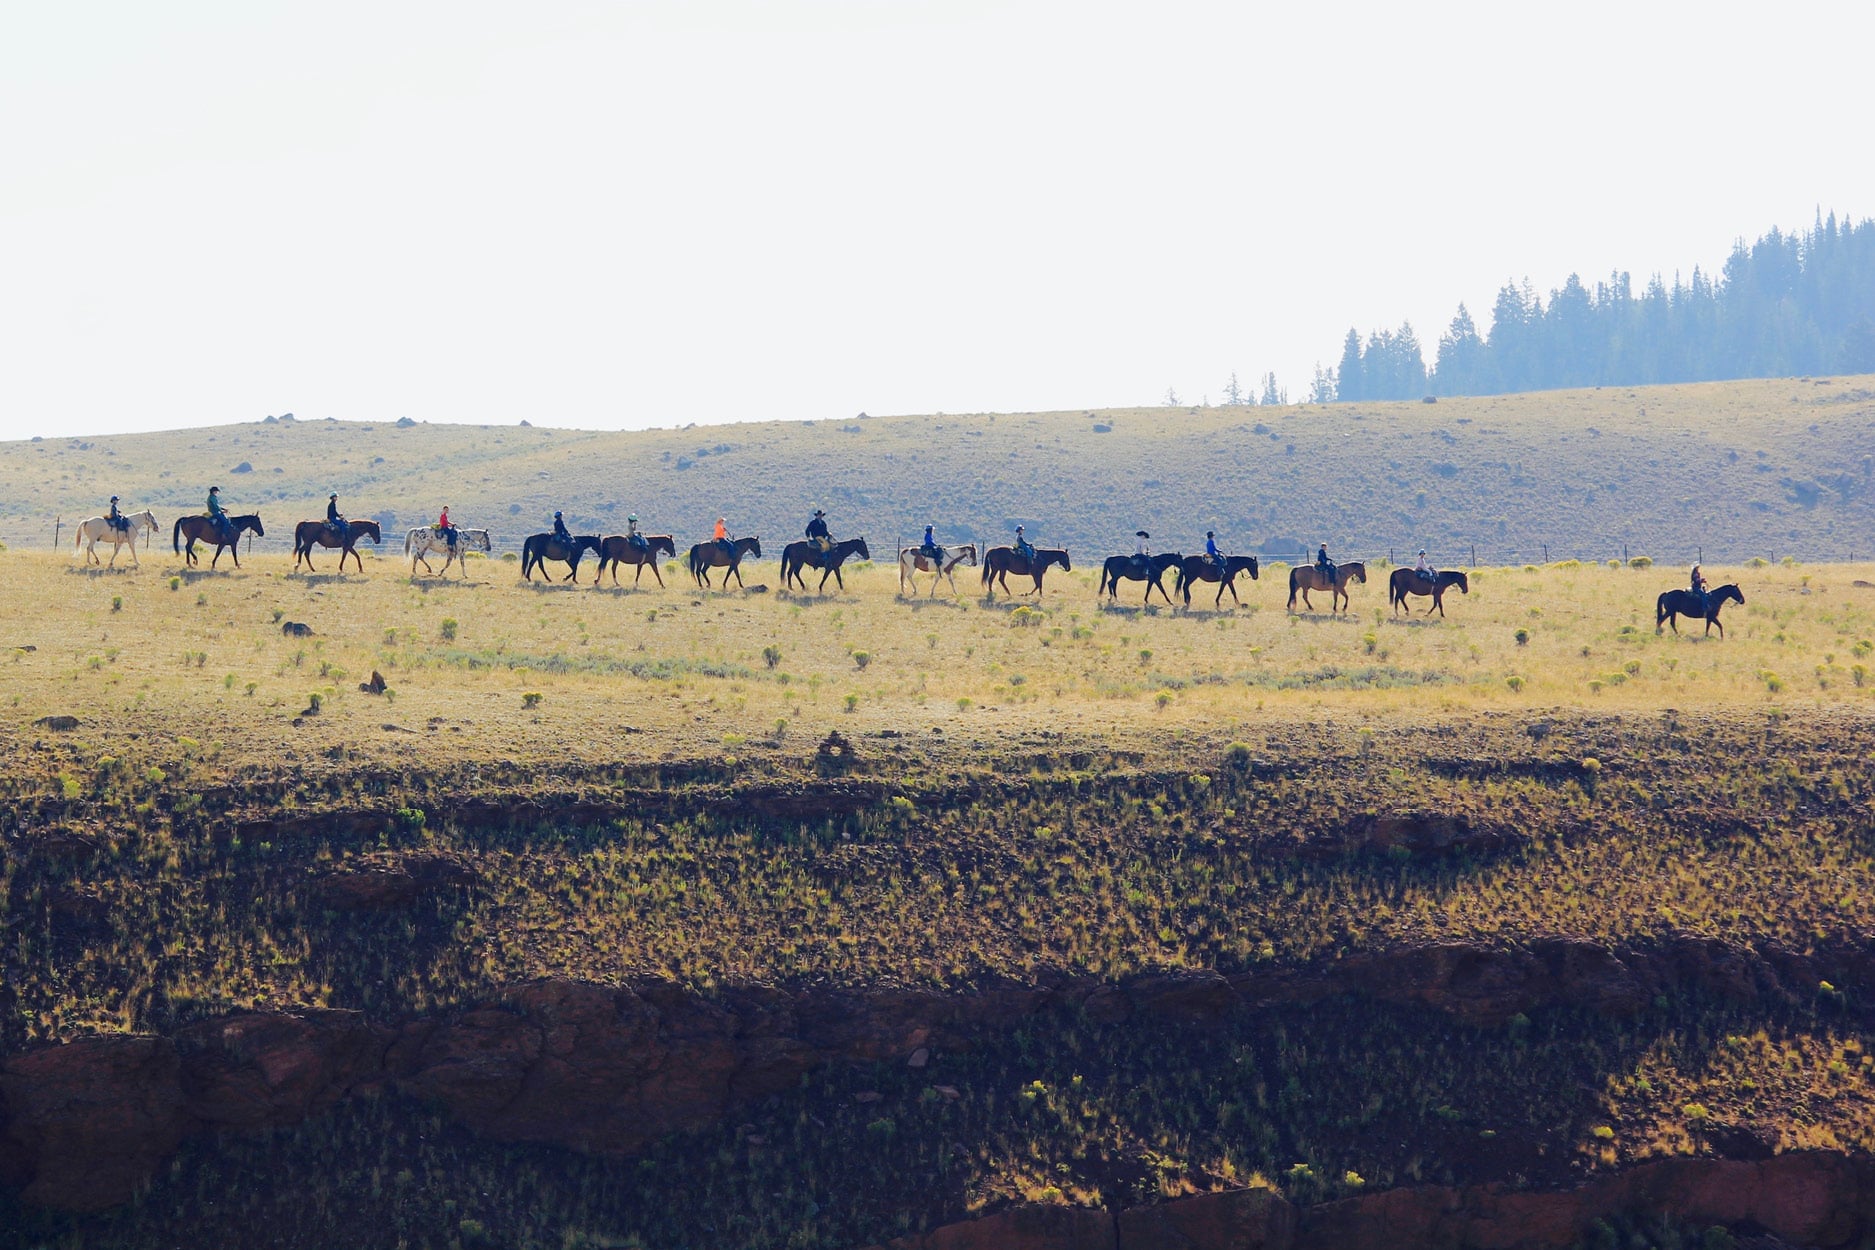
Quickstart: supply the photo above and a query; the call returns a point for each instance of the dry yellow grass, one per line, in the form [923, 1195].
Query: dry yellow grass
[686, 670]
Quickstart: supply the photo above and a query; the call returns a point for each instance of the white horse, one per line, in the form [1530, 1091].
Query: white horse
[90, 530]
[424, 541]
[913, 560]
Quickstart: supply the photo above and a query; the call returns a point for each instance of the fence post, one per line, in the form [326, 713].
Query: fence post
[1546, 553]
[58, 523]
[1474, 555]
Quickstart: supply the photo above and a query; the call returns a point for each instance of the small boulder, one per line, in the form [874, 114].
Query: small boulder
[62, 723]
[296, 629]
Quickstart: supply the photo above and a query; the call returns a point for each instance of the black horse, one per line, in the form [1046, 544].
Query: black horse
[1133, 569]
[1204, 569]
[1677, 603]
[797, 555]
[539, 548]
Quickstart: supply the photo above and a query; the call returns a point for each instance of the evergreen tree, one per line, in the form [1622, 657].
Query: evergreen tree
[1273, 394]
[1233, 393]
[1459, 369]
[1349, 383]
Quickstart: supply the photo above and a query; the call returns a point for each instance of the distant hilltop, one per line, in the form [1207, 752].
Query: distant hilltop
[1725, 470]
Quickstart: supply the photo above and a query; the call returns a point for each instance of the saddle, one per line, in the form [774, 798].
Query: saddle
[933, 553]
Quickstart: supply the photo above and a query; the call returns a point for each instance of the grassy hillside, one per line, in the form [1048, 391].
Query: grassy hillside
[1740, 469]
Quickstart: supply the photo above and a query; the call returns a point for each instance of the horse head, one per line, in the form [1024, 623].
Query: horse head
[664, 543]
[754, 542]
[859, 545]
[250, 522]
[1460, 580]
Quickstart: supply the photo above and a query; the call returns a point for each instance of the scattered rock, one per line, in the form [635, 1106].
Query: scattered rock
[389, 884]
[296, 629]
[244, 467]
[919, 1058]
[760, 589]
[57, 722]
[949, 1093]
[868, 1095]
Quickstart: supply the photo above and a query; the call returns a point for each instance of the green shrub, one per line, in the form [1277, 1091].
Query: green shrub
[1523, 637]
[449, 627]
[531, 699]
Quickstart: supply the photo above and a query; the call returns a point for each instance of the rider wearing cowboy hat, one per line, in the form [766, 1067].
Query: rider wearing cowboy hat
[632, 535]
[817, 531]
[117, 519]
[1140, 555]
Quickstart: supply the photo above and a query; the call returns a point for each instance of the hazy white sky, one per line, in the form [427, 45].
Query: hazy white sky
[631, 214]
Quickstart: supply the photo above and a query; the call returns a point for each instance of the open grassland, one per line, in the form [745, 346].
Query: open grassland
[1736, 469]
[631, 784]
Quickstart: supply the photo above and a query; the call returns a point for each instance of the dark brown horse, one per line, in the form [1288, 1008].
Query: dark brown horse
[1306, 577]
[1147, 569]
[200, 528]
[715, 555]
[804, 554]
[1203, 569]
[1000, 562]
[1404, 582]
[540, 548]
[617, 549]
[1671, 606]
[307, 533]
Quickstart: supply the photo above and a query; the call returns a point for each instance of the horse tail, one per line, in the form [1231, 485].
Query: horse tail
[1294, 576]
[985, 574]
[409, 541]
[175, 536]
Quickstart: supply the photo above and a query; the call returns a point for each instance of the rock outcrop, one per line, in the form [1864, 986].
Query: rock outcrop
[1809, 1198]
[608, 1069]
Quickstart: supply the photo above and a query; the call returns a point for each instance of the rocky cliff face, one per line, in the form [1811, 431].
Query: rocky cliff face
[607, 1069]
[1805, 1198]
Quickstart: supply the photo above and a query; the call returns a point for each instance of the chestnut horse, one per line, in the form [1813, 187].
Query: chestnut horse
[1306, 577]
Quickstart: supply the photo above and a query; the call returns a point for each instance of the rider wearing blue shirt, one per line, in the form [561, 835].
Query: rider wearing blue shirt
[1699, 588]
[930, 550]
[632, 535]
[1323, 563]
[116, 518]
[1210, 549]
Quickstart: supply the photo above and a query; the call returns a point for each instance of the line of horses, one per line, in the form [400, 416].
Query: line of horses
[997, 564]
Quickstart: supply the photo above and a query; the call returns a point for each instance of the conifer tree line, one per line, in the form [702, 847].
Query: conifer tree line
[1786, 305]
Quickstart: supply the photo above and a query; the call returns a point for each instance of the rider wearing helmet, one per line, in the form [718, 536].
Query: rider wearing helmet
[817, 532]
[929, 548]
[560, 533]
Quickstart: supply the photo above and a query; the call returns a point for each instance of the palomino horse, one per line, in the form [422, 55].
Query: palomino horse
[423, 542]
[93, 528]
[540, 548]
[913, 560]
[1134, 569]
[715, 555]
[1404, 582]
[1674, 604]
[617, 549]
[1306, 577]
[1000, 562]
[201, 528]
[306, 533]
[1203, 569]
[804, 553]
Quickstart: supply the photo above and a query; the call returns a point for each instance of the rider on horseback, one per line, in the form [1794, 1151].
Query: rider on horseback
[817, 532]
[632, 535]
[1211, 552]
[1699, 590]
[1425, 570]
[1324, 565]
[1023, 547]
[117, 519]
[335, 520]
[929, 548]
[721, 536]
[444, 528]
[560, 534]
[223, 525]
[1141, 556]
